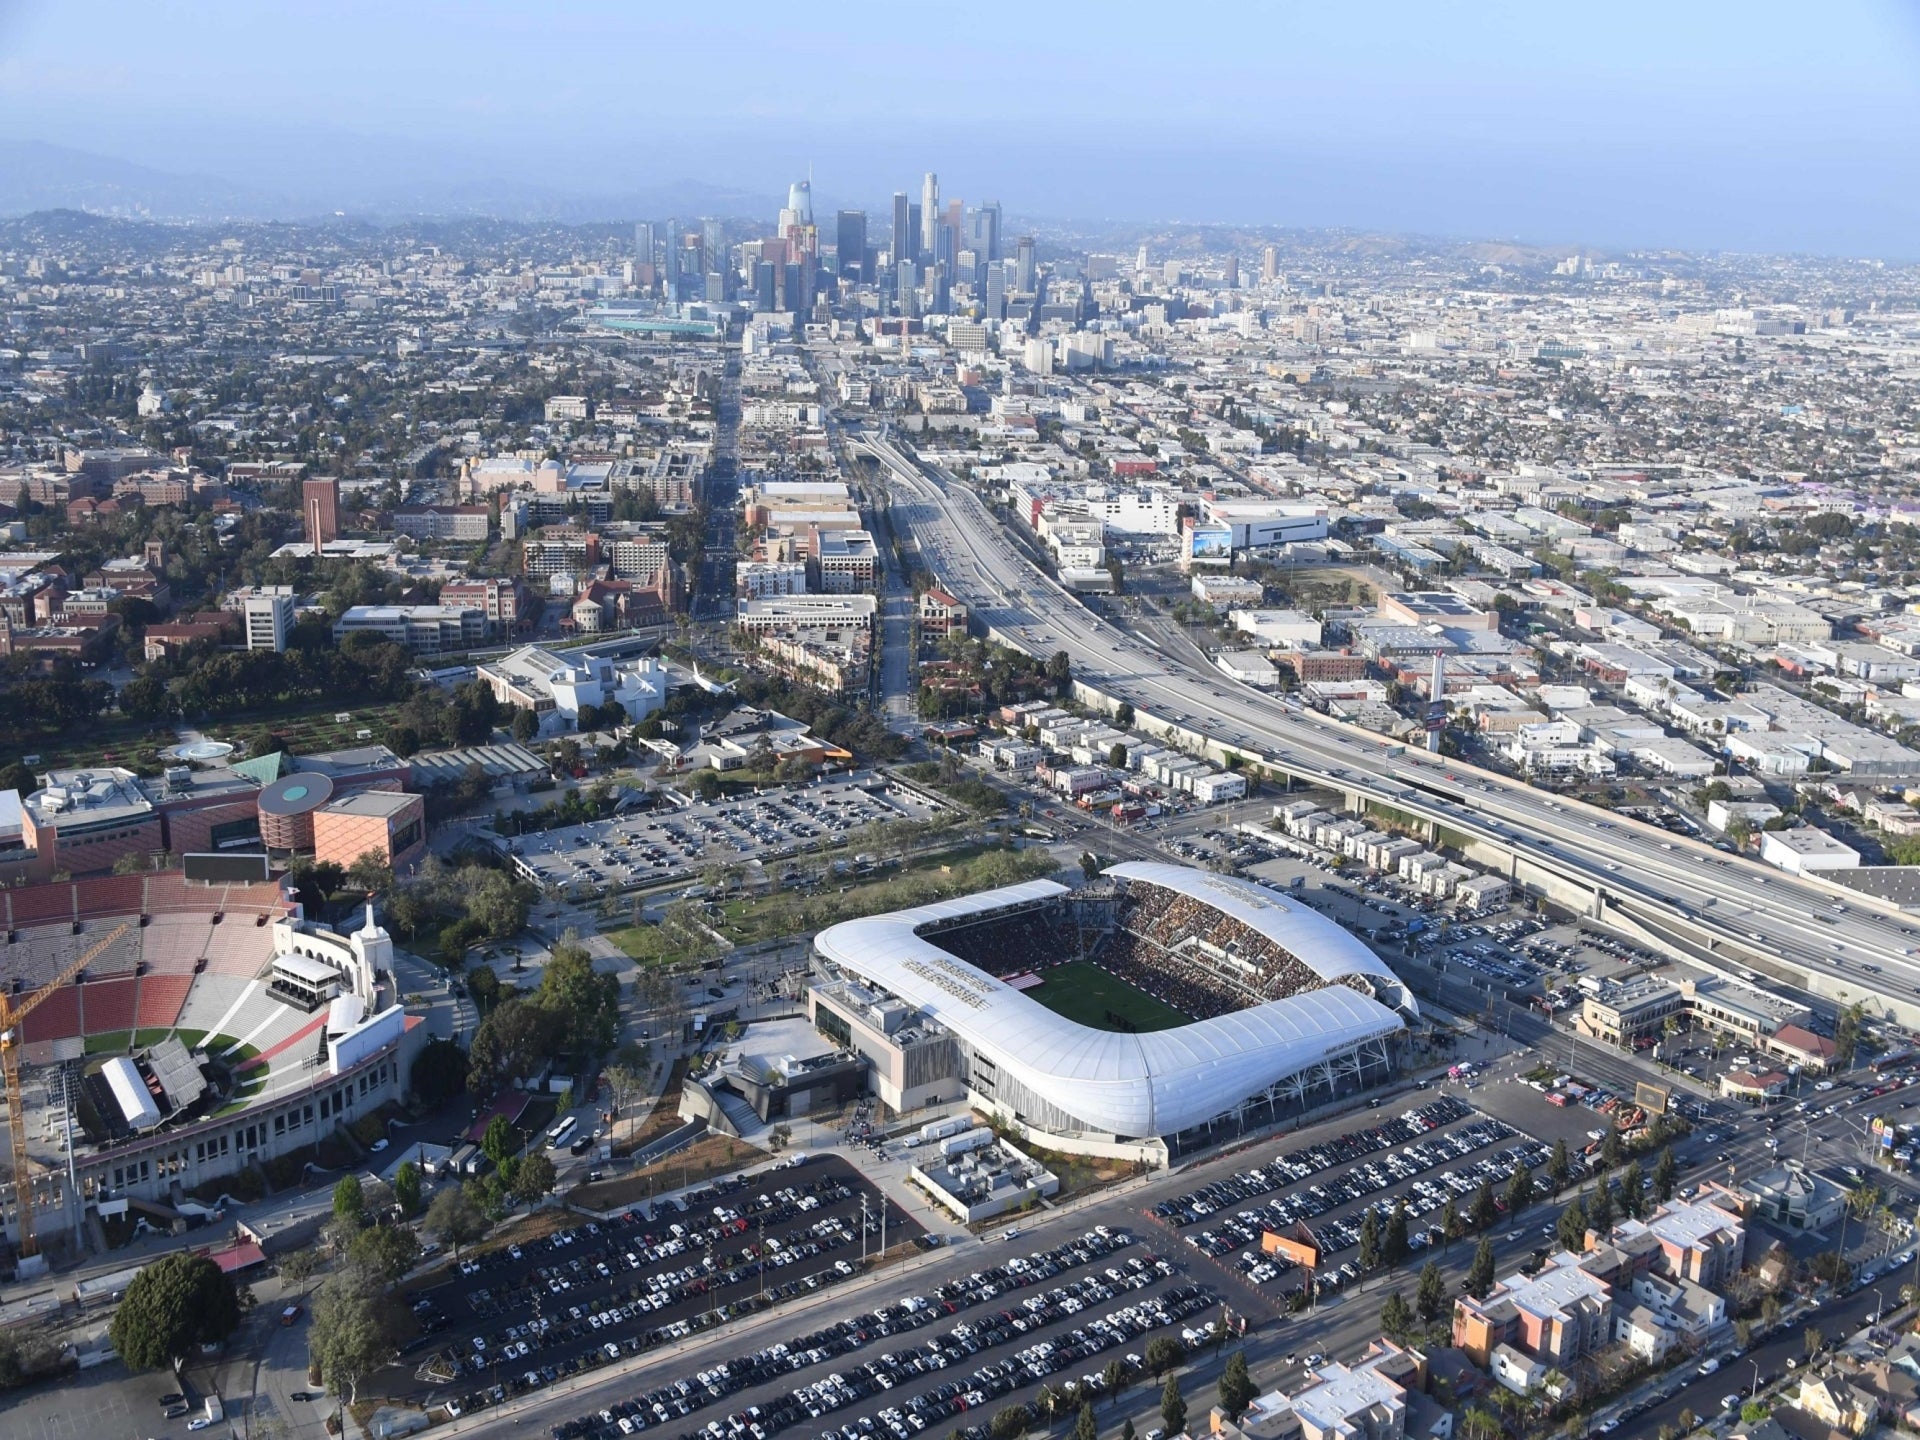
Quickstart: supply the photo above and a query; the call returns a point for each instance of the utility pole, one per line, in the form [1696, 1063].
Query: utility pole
[763, 1256]
[863, 1232]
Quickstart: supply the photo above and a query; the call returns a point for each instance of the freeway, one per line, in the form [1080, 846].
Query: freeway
[1799, 932]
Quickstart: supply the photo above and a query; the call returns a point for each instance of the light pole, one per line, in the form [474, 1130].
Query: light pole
[1754, 1393]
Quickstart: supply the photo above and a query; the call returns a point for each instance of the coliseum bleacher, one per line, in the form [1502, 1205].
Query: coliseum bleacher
[1176, 948]
[144, 979]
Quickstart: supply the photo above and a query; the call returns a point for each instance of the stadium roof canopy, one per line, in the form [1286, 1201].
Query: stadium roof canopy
[1158, 1083]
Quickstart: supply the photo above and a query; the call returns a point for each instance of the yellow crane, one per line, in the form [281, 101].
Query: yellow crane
[12, 1012]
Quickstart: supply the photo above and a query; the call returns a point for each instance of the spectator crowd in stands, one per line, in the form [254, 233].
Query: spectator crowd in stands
[1179, 949]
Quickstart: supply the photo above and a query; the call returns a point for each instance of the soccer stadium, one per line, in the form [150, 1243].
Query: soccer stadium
[214, 1029]
[1154, 1012]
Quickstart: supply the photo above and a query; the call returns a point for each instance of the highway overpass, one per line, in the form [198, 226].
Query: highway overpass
[1695, 901]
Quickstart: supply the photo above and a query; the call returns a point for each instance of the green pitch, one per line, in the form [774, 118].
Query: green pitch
[1088, 994]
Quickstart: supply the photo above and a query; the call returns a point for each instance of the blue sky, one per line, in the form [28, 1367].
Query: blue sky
[1758, 125]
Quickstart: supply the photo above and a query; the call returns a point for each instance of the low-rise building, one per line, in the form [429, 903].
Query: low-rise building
[1556, 1316]
[387, 824]
[423, 629]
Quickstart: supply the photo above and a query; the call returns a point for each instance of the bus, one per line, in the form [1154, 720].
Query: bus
[561, 1133]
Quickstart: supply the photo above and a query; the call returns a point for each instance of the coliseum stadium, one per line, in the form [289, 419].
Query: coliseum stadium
[1156, 1011]
[214, 1029]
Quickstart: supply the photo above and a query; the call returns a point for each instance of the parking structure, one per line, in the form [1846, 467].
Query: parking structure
[1329, 1187]
[526, 1314]
[1052, 1323]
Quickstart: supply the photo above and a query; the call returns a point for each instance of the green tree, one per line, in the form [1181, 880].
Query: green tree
[1572, 1228]
[1664, 1175]
[1479, 1282]
[1483, 1212]
[349, 1202]
[296, 1267]
[172, 1305]
[455, 1218]
[1393, 1244]
[1122, 716]
[1163, 1353]
[525, 726]
[1430, 1299]
[406, 1188]
[1632, 1190]
[510, 1044]
[1519, 1191]
[1601, 1208]
[1237, 1390]
[1173, 1409]
[500, 1141]
[1559, 1166]
[1083, 1426]
[533, 1177]
[586, 1004]
[353, 1331]
[1114, 1377]
[385, 1250]
[1009, 1423]
[371, 873]
[1396, 1318]
[1846, 1034]
[1369, 1257]
[1449, 1222]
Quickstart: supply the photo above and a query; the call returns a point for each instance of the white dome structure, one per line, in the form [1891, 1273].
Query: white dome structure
[1070, 1081]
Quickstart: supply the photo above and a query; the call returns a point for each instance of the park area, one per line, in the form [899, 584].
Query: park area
[1085, 993]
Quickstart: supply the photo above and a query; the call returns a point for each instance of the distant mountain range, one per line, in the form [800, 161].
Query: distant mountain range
[36, 176]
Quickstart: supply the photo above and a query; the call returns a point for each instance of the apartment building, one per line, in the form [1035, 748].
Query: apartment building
[1555, 1317]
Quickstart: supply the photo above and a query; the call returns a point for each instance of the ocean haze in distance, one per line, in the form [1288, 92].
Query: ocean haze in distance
[1760, 127]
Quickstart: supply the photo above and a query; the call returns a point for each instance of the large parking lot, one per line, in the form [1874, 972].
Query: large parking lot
[521, 1316]
[1062, 1307]
[1419, 1159]
[668, 843]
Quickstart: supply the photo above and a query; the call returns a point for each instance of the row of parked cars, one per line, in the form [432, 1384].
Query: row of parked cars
[1310, 1160]
[681, 1398]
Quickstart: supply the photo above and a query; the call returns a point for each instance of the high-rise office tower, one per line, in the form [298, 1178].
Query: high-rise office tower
[1270, 264]
[763, 287]
[1140, 261]
[643, 242]
[713, 246]
[905, 236]
[850, 244]
[800, 201]
[986, 230]
[929, 213]
[320, 499]
[1233, 272]
[996, 289]
[1023, 265]
[674, 240]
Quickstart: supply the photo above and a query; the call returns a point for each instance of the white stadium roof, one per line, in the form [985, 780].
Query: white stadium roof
[1158, 1083]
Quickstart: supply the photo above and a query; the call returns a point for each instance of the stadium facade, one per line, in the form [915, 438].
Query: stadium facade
[197, 961]
[1290, 1010]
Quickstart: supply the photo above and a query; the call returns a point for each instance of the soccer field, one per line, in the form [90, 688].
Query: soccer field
[1086, 993]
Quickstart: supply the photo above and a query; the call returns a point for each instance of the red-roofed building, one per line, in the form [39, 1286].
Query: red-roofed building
[1800, 1046]
[941, 613]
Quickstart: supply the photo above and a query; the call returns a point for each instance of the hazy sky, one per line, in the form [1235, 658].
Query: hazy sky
[1754, 125]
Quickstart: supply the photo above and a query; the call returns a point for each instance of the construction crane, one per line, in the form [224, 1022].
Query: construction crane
[12, 1012]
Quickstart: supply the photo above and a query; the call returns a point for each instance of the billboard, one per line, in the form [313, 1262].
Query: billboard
[365, 1039]
[1210, 542]
[1298, 1245]
[1652, 1098]
[224, 869]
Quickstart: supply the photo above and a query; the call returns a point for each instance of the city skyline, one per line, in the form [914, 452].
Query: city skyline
[1742, 132]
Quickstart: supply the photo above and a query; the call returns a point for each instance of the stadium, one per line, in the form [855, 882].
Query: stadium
[214, 1030]
[1152, 1013]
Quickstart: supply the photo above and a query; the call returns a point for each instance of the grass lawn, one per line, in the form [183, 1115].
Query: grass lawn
[1086, 993]
[116, 740]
